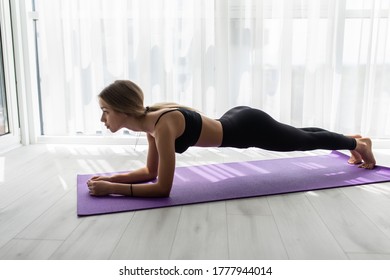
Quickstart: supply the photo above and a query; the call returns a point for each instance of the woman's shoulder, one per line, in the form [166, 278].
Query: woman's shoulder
[163, 114]
[168, 119]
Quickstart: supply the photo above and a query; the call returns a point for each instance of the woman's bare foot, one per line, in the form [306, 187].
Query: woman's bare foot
[355, 158]
[364, 148]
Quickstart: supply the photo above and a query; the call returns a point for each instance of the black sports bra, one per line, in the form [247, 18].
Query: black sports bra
[192, 129]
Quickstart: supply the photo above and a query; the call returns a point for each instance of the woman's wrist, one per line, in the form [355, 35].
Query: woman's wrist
[131, 190]
[111, 179]
[121, 189]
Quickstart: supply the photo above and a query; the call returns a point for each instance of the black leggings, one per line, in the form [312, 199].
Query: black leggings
[245, 127]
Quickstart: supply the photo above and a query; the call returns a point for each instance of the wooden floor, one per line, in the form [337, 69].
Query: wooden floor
[38, 213]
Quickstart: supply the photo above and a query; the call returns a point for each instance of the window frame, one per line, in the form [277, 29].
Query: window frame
[13, 138]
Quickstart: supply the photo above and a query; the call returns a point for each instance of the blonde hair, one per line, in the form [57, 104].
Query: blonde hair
[124, 96]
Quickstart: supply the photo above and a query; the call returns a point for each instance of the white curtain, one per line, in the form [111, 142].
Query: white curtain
[319, 63]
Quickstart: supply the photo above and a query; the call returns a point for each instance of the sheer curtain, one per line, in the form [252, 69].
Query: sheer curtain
[306, 62]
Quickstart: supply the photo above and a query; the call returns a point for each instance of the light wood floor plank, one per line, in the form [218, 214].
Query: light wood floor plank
[201, 232]
[254, 237]
[149, 235]
[24, 249]
[22, 212]
[303, 232]
[360, 256]
[349, 225]
[249, 206]
[374, 202]
[25, 177]
[57, 223]
[95, 238]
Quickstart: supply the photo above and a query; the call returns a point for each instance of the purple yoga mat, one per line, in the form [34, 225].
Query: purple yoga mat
[204, 183]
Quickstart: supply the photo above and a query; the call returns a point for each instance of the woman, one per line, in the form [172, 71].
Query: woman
[171, 128]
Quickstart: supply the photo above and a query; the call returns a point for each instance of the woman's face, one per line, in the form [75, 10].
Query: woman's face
[112, 119]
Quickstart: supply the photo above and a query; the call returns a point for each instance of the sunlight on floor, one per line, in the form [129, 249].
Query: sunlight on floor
[312, 193]
[63, 183]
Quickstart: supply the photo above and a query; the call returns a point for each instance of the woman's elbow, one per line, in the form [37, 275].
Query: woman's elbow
[164, 190]
[162, 194]
[152, 174]
[165, 194]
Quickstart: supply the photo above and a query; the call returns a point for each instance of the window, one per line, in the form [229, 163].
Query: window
[4, 126]
[307, 63]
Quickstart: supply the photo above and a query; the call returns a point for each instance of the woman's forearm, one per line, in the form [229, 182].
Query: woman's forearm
[139, 175]
[140, 190]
